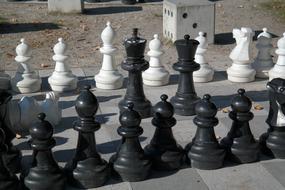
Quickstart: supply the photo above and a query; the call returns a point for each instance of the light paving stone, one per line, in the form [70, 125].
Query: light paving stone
[277, 169]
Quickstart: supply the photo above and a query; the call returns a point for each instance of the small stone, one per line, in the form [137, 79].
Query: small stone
[18, 136]
[225, 110]
[258, 107]
[240, 6]
[44, 65]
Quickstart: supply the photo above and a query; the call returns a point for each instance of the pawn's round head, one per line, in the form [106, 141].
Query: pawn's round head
[41, 130]
[205, 108]
[130, 117]
[155, 44]
[281, 42]
[241, 103]
[23, 49]
[86, 103]
[164, 108]
[60, 47]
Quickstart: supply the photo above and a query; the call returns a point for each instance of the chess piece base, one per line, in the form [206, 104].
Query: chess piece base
[26, 83]
[204, 74]
[62, 81]
[241, 73]
[109, 80]
[277, 72]
[155, 77]
[184, 105]
[276, 143]
[262, 68]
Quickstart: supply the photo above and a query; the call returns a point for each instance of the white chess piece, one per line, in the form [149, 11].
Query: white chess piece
[26, 79]
[22, 114]
[50, 107]
[278, 71]
[263, 62]
[156, 74]
[241, 69]
[108, 77]
[205, 73]
[62, 79]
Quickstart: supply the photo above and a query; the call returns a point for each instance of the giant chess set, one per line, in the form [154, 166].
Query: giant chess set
[133, 160]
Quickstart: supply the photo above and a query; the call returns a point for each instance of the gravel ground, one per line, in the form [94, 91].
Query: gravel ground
[31, 21]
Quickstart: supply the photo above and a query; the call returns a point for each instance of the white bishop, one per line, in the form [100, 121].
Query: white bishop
[62, 79]
[156, 74]
[263, 62]
[108, 77]
[205, 73]
[279, 68]
[26, 80]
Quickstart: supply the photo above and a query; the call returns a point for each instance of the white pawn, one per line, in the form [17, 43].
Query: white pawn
[108, 77]
[62, 79]
[263, 62]
[278, 71]
[205, 73]
[156, 74]
[26, 79]
[241, 69]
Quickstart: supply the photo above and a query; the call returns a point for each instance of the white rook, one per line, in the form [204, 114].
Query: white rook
[66, 6]
[182, 17]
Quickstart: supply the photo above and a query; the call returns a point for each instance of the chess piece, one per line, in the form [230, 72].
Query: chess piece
[130, 161]
[4, 79]
[129, 2]
[45, 173]
[163, 150]
[26, 80]
[87, 169]
[108, 77]
[240, 144]
[8, 181]
[156, 74]
[22, 114]
[263, 62]
[12, 158]
[135, 64]
[272, 142]
[186, 98]
[205, 73]
[241, 69]
[205, 152]
[278, 71]
[62, 79]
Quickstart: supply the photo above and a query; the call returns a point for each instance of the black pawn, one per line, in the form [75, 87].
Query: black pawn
[186, 98]
[130, 161]
[240, 144]
[46, 174]
[135, 64]
[12, 158]
[8, 181]
[273, 141]
[87, 169]
[205, 152]
[163, 150]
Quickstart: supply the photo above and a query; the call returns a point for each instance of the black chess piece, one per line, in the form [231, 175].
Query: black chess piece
[130, 161]
[12, 158]
[46, 174]
[272, 142]
[205, 151]
[240, 144]
[135, 64]
[87, 169]
[163, 150]
[129, 2]
[186, 98]
[8, 180]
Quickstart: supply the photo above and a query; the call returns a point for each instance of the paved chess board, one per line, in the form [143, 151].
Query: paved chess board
[264, 175]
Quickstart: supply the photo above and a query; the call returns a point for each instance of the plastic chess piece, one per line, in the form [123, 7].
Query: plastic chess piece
[8, 180]
[163, 150]
[4, 79]
[130, 161]
[205, 73]
[240, 144]
[45, 173]
[263, 62]
[272, 142]
[278, 71]
[87, 169]
[241, 69]
[205, 152]
[12, 158]
[135, 64]
[26, 80]
[156, 74]
[62, 79]
[108, 77]
[186, 98]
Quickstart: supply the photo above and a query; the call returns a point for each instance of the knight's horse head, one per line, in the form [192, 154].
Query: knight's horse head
[276, 89]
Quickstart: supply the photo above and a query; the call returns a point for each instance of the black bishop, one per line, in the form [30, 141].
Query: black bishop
[163, 150]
